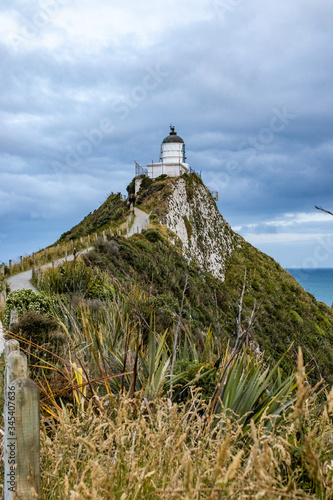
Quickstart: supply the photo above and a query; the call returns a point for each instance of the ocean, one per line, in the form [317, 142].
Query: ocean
[319, 282]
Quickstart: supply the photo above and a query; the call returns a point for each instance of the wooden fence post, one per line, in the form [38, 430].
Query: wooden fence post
[22, 433]
[27, 434]
[65, 255]
[14, 317]
[21, 261]
[39, 276]
[104, 236]
[3, 295]
[16, 366]
[10, 267]
[10, 346]
[33, 264]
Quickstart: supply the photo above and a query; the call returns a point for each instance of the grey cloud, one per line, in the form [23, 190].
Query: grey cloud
[225, 76]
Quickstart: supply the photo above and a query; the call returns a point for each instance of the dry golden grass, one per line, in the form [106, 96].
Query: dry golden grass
[136, 450]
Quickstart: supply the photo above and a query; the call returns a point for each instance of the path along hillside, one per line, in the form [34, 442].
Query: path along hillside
[187, 236]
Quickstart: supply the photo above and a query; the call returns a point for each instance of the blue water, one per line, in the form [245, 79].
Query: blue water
[319, 282]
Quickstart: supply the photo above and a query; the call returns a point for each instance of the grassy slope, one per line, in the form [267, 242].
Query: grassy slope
[171, 449]
[110, 214]
[285, 312]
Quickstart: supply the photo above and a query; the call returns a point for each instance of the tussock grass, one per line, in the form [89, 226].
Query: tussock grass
[138, 447]
[135, 450]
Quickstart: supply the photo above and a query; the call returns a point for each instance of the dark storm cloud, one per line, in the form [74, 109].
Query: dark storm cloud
[249, 88]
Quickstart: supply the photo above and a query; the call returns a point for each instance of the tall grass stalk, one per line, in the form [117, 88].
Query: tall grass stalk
[126, 451]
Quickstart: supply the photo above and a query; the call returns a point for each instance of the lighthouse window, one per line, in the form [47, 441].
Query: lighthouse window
[183, 151]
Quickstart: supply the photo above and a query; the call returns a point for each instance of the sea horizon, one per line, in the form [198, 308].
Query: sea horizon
[318, 282]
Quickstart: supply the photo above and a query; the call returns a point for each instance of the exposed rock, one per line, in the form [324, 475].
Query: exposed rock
[194, 217]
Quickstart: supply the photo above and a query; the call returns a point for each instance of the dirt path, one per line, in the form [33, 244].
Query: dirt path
[22, 281]
[141, 221]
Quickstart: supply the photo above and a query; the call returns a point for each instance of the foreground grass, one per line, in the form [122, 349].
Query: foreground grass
[136, 450]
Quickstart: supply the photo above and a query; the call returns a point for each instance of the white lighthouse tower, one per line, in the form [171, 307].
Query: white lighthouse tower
[172, 157]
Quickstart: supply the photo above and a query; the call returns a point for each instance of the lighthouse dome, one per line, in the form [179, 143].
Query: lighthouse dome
[173, 137]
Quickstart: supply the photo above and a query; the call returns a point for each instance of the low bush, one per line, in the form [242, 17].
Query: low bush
[27, 300]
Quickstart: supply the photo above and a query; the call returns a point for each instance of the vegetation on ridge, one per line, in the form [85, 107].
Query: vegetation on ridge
[285, 313]
[112, 213]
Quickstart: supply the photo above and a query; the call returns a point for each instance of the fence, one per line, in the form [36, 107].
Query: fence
[62, 252]
[59, 251]
[22, 428]
[139, 170]
[192, 171]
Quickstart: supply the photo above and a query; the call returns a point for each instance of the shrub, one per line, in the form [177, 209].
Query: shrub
[295, 317]
[146, 183]
[131, 187]
[153, 235]
[26, 300]
[71, 277]
[42, 330]
[161, 177]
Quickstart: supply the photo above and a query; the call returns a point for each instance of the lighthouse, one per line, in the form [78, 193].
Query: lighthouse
[172, 161]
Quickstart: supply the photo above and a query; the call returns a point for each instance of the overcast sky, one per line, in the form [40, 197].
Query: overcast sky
[89, 87]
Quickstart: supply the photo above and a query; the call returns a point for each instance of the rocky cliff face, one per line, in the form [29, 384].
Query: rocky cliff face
[194, 217]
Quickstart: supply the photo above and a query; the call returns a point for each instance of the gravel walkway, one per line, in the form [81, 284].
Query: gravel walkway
[141, 221]
[21, 281]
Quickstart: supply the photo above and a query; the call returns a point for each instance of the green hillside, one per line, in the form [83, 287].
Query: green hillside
[112, 213]
[284, 313]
